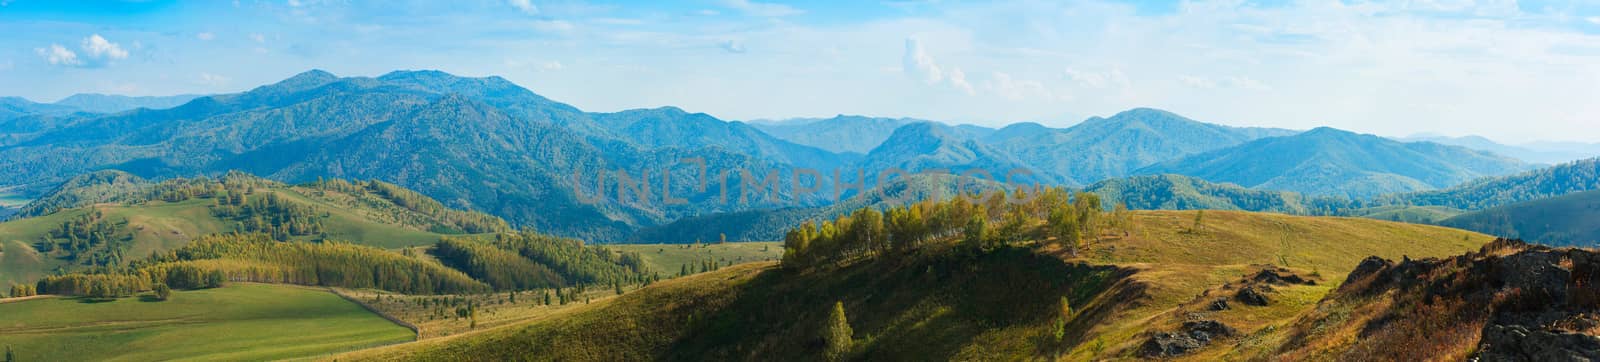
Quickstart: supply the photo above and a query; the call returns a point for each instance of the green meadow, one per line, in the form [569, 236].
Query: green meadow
[238, 322]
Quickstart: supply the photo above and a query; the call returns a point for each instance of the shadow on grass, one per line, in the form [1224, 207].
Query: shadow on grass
[923, 307]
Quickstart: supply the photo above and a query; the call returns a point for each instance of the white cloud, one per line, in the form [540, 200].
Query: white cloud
[708, 12]
[958, 79]
[258, 38]
[59, 55]
[551, 66]
[1594, 20]
[762, 9]
[99, 47]
[8, 65]
[918, 64]
[526, 6]
[205, 36]
[1232, 82]
[1005, 86]
[213, 79]
[295, 3]
[732, 46]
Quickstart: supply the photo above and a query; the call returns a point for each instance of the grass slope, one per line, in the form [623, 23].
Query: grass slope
[1573, 220]
[238, 322]
[937, 305]
[159, 226]
[670, 258]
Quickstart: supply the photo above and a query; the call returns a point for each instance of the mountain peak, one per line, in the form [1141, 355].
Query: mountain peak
[415, 74]
[305, 80]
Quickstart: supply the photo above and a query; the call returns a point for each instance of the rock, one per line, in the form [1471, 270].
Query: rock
[1272, 277]
[1518, 343]
[1192, 336]
[1251, 296]
[1368, 266]
[1218, 304]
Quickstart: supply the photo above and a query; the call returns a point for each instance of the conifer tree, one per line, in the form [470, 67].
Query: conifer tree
[837, 334]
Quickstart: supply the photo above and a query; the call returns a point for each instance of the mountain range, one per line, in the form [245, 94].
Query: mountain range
[490, 145]
[1328, 161]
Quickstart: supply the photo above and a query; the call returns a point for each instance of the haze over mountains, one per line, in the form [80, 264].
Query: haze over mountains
[487, 144]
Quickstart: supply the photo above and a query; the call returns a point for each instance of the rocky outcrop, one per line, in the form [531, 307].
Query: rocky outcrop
[1518, 343]
[1193, 335]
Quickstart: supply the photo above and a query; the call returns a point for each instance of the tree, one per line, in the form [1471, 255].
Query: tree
[162, 291]
[975, 233]
[1063, 318]
[215, 278]
[838, 334]
[1064, 226]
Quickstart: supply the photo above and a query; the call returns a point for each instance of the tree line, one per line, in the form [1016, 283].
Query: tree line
[255, 257]
[979, 222]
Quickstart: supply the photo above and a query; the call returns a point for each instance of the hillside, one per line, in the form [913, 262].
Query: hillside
[238, 322]
[1176, 192]
[1102, 148]
[937, 301]
[1506, 302]
[110, 218]
[1332, 162]
[483, 144]
[1528, 153]
[921, 147]
[1570, 220]
[1571, 177]
[856, 134]
[109, 103]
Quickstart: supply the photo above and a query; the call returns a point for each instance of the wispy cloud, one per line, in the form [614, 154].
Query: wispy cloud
[917, 63]
[526, 6]
[762, 9]
[205, 36]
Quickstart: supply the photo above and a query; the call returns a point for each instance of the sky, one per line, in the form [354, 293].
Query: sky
[1514, 71]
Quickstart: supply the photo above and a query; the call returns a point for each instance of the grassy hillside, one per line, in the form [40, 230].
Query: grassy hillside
[137, 218]
[938, 303]
[670, 258]
[238, 322]
[1573, 219]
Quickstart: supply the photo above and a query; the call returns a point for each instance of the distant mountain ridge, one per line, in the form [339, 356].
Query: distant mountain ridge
[1327, 161]
[109, 103]
[487, 144]
[1104, 148]
[1549, 153]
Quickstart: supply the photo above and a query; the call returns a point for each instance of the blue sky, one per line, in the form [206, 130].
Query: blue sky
[1513, 71]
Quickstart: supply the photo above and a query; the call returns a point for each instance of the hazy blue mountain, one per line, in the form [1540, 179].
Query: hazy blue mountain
[1177, 192]
[479, 143]
[109, 103]
[1102, 148]
[1480, 143]
[1572, 219]
[1327, 161]
[12, 107]
[925, 146]
[841, 133]
[673, 127]
[852, 134]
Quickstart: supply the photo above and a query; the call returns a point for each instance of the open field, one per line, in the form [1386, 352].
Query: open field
[670, 258]
[238, 322]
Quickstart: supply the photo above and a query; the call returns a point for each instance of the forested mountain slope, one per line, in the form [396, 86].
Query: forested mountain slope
[1328, 161]
[476, 143]
[1102, 148]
